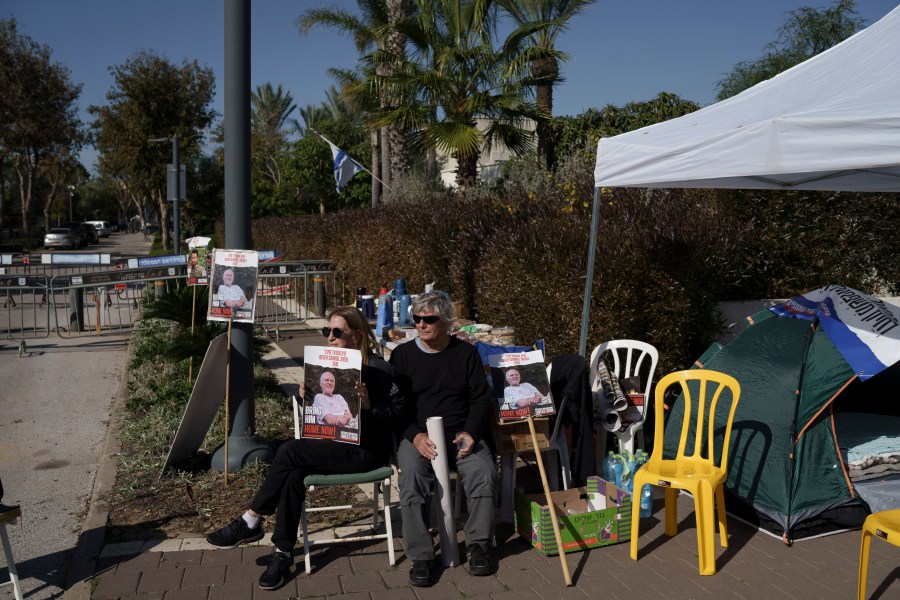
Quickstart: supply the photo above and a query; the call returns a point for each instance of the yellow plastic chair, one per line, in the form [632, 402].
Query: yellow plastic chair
[885, 525]
[698, 473]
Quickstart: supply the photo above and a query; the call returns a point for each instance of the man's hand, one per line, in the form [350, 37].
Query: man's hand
[425, 446]
[465, 444]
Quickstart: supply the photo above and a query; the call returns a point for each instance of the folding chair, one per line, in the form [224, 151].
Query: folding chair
[381, 484]
[9, 515]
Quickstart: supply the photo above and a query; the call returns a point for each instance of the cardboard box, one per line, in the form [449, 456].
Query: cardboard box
[580, 527]
[515, 436]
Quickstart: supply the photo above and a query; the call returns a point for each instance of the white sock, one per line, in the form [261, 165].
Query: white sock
[283, 552]
[250, 520]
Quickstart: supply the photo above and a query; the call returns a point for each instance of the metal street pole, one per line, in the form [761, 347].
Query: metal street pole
[175, 217]
[244, 446]
[71, 193]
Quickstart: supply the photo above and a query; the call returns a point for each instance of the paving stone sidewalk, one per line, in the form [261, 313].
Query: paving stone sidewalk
[755, 565]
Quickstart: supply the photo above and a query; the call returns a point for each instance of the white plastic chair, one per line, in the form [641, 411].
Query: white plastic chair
[381, 485]
[629, 358]
[8, 516]
[558, 443]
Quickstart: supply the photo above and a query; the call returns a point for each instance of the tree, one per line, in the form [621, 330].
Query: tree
[807, 32]
[370, 32]
[547, 19]
[270, 111]
[38, 110]
[135, 114]
[468, 96]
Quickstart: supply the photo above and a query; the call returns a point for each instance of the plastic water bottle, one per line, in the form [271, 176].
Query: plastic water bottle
[646, 501]
[616, 470]
[607, 467]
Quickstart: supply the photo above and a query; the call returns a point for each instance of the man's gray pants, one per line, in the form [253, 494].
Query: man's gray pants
[479, 481]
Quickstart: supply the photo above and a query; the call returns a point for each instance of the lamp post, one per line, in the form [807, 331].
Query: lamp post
[71, 194]
[176, 167]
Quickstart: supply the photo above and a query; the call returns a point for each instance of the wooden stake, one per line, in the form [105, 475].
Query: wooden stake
[227, 386]
[193, 318]
[567, 577]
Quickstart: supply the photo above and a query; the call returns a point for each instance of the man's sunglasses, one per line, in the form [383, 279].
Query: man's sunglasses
[336, 332]
[429, 319]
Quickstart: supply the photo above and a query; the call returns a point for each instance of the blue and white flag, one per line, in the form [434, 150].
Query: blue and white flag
[344, 166]
[865, 330]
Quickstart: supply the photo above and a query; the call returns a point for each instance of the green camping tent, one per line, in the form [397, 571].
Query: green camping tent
[786, 473]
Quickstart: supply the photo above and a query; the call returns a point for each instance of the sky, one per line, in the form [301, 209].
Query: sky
[620, 51]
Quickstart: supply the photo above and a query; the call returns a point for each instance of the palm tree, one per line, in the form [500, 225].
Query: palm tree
[371, 32]
[270, 111]
[547, 19]
[457, 71]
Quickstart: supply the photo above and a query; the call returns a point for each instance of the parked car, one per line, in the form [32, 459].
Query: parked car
[62, 237]
[92, 233]
[104, 229]
[87, 233]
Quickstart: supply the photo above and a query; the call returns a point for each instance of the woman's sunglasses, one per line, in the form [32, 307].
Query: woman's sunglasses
[336, 332]
[429, 319]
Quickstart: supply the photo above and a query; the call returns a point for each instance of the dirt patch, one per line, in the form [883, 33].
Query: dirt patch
[195, 504]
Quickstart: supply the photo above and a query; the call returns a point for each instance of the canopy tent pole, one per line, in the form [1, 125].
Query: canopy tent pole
[589, 278]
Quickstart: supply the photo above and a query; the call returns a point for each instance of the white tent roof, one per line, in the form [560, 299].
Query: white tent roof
[829, 123]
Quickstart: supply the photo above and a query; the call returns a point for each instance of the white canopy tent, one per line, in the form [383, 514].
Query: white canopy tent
[829, 123]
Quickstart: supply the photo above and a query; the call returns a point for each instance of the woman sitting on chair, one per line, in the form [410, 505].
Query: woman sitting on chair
[282, 492]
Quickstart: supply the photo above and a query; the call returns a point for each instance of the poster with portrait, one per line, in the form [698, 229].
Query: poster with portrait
[198, 261]
[330, 404]
[521, 385]
[233, 286]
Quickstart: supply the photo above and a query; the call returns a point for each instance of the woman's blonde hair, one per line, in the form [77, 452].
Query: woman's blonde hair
[357, 322]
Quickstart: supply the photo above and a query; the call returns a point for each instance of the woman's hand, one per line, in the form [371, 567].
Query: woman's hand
[363, 394]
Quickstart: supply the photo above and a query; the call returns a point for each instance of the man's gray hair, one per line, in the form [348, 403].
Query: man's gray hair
[437, 303]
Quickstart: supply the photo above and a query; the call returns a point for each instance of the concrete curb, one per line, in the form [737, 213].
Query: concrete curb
[93, 529]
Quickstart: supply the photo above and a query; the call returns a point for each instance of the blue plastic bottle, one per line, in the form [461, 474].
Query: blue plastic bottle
[607, 467]
[615, 471]
[646, 501]
[385, 316]
[646, 498]
[403, 318]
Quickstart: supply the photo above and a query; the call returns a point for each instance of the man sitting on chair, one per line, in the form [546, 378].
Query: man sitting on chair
[441, 376]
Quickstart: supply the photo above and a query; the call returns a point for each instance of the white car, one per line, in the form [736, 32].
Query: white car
[62, 237]
[104, 229]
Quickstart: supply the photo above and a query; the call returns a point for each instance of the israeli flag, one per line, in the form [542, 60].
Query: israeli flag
[344, 166]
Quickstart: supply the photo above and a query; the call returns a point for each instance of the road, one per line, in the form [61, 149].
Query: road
[56, 403]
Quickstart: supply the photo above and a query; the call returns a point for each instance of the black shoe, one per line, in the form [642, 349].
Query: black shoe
[277, 572]
[234, 534]
[421, 573]
[479, 560]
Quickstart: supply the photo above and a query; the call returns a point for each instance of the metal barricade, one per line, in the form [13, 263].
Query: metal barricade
[108, 301]
[285, 292]
[24, 314]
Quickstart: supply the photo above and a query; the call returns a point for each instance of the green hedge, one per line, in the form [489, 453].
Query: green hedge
[518, 259]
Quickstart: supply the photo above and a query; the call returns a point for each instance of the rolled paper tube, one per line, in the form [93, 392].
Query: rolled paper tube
[446, 522]
[620, 401]
[609, 418]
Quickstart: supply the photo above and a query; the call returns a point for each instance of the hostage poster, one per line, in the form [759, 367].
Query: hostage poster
[330, 403]
[233, 286]
[521, 385]
[198, 262]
